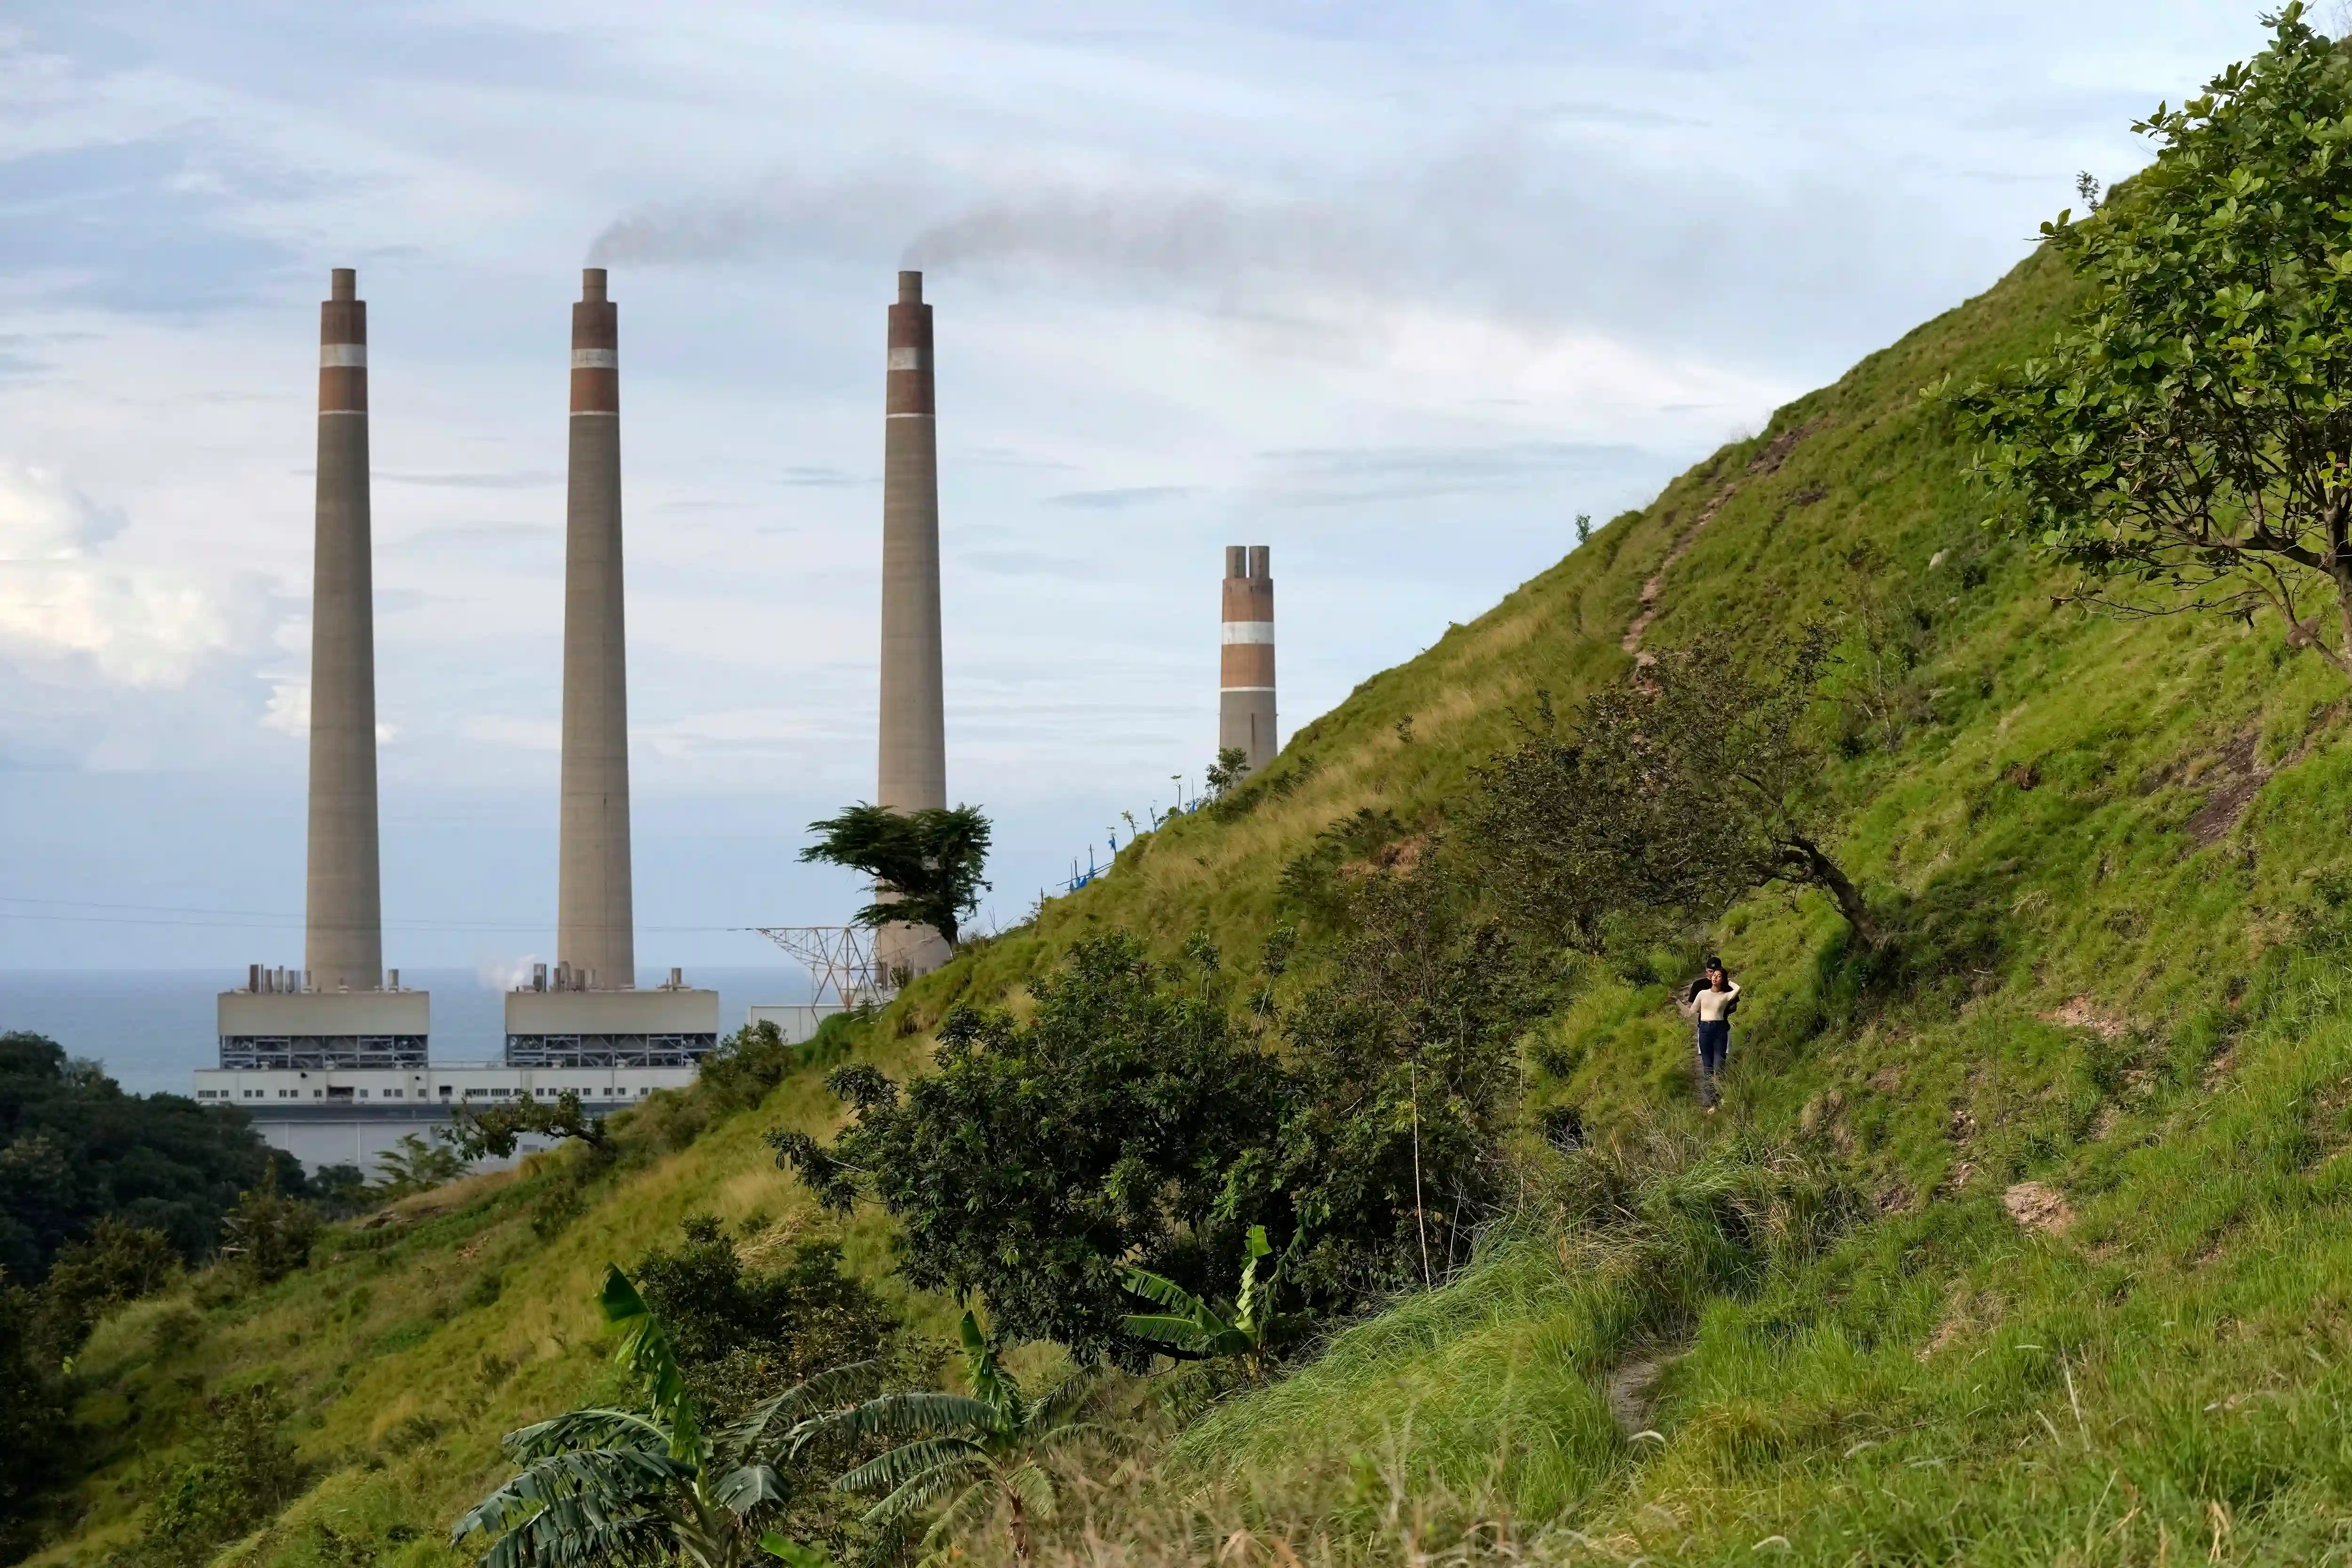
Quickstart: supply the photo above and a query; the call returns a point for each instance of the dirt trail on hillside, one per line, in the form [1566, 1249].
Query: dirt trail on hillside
[1765, 462]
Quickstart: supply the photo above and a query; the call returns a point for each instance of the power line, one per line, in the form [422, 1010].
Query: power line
[270, 920]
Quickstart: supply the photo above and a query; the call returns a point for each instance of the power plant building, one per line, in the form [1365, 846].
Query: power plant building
[1245, 712]
[912, 774]
[331, 1060]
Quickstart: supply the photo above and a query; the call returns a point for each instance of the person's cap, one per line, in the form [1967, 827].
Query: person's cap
[1713, 961]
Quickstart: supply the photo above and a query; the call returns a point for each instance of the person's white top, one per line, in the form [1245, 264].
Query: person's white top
[1711, 1006]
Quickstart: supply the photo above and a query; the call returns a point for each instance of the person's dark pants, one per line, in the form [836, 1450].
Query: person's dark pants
[1714, 1045]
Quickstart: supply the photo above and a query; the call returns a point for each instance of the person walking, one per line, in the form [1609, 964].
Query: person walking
[1710, 1002]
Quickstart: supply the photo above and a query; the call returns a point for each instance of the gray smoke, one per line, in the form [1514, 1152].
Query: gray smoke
[1515, 229]
[1193, 238]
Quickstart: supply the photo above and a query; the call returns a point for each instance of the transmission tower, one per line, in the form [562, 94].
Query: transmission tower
[840, 961]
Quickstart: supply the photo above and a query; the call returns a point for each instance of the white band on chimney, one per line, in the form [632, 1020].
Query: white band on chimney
[1244, 688]
[909, 358]
[595, 359]
[1249, 632]
[342, 356]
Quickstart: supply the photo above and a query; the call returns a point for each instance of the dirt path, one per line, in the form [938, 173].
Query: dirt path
[1630, 1392]
[1767, 461]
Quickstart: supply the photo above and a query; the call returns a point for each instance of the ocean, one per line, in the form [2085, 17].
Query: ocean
[153, 1028]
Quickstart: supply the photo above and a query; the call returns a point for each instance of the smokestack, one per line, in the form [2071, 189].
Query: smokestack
[595, 929]
[343, 935]
[1245, 677]
[914, 760]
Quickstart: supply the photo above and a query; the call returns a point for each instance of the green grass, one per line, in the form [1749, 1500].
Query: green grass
[2098, 990]
[2089, 995]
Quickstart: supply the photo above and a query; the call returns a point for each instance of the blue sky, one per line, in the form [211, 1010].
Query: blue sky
[1398, 290]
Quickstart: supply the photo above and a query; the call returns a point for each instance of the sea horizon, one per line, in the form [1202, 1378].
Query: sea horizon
[151, 1029]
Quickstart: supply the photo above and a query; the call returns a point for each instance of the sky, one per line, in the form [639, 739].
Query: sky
[1396, 290]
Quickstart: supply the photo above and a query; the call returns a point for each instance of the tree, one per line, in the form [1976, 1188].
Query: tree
[739, 1332]
[1228, 770]
[415, 1165]
[1043, 1157]
[245, 1471]
[1402, 1068]
[1681, 790]
[494, 1131]
[114, 1264]
[36, 1434]
[269, 1235]
[926, 865]
[2186, 444]
[974, 1453]
[1247, 1329]
[74, 1148]
[606, 1486]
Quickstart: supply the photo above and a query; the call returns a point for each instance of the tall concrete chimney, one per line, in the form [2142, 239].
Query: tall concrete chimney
[594, 925]
[343, 935]
[913, 775]
[1245, 676]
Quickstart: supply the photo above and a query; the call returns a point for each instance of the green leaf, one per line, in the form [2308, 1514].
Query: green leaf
[792, 1553]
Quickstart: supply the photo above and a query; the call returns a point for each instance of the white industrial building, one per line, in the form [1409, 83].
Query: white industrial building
[338, 1078]
[350, 1116]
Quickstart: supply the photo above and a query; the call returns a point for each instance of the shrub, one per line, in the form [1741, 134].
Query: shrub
[740, 1334]
[113, 1264]
[747, 1067]
[1041, 1158]
[1402, 1069]
[267, 1236]
[1136, 1120]
[245, 1472]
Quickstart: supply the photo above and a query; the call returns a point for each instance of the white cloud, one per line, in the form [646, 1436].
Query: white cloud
[65, 599]
[288, 711]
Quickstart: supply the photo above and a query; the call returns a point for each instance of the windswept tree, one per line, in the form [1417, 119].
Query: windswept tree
[2186, 444]
[926, 865]
[1676, 793]
[494, 1131]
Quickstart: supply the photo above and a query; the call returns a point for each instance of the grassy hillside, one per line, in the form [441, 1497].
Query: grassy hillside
[2092, 1115]
[2024, 1245]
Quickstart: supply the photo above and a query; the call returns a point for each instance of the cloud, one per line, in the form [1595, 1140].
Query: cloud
[66, 603]
[1074, 567]
[289, 711]
[515, 479]
[1310, 476]
[146, 224]
[475, 534]
[1120, 500]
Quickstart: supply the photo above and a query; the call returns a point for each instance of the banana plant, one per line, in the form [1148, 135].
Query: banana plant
[1193, 1330]
[966, 1454]
[596, 1487]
